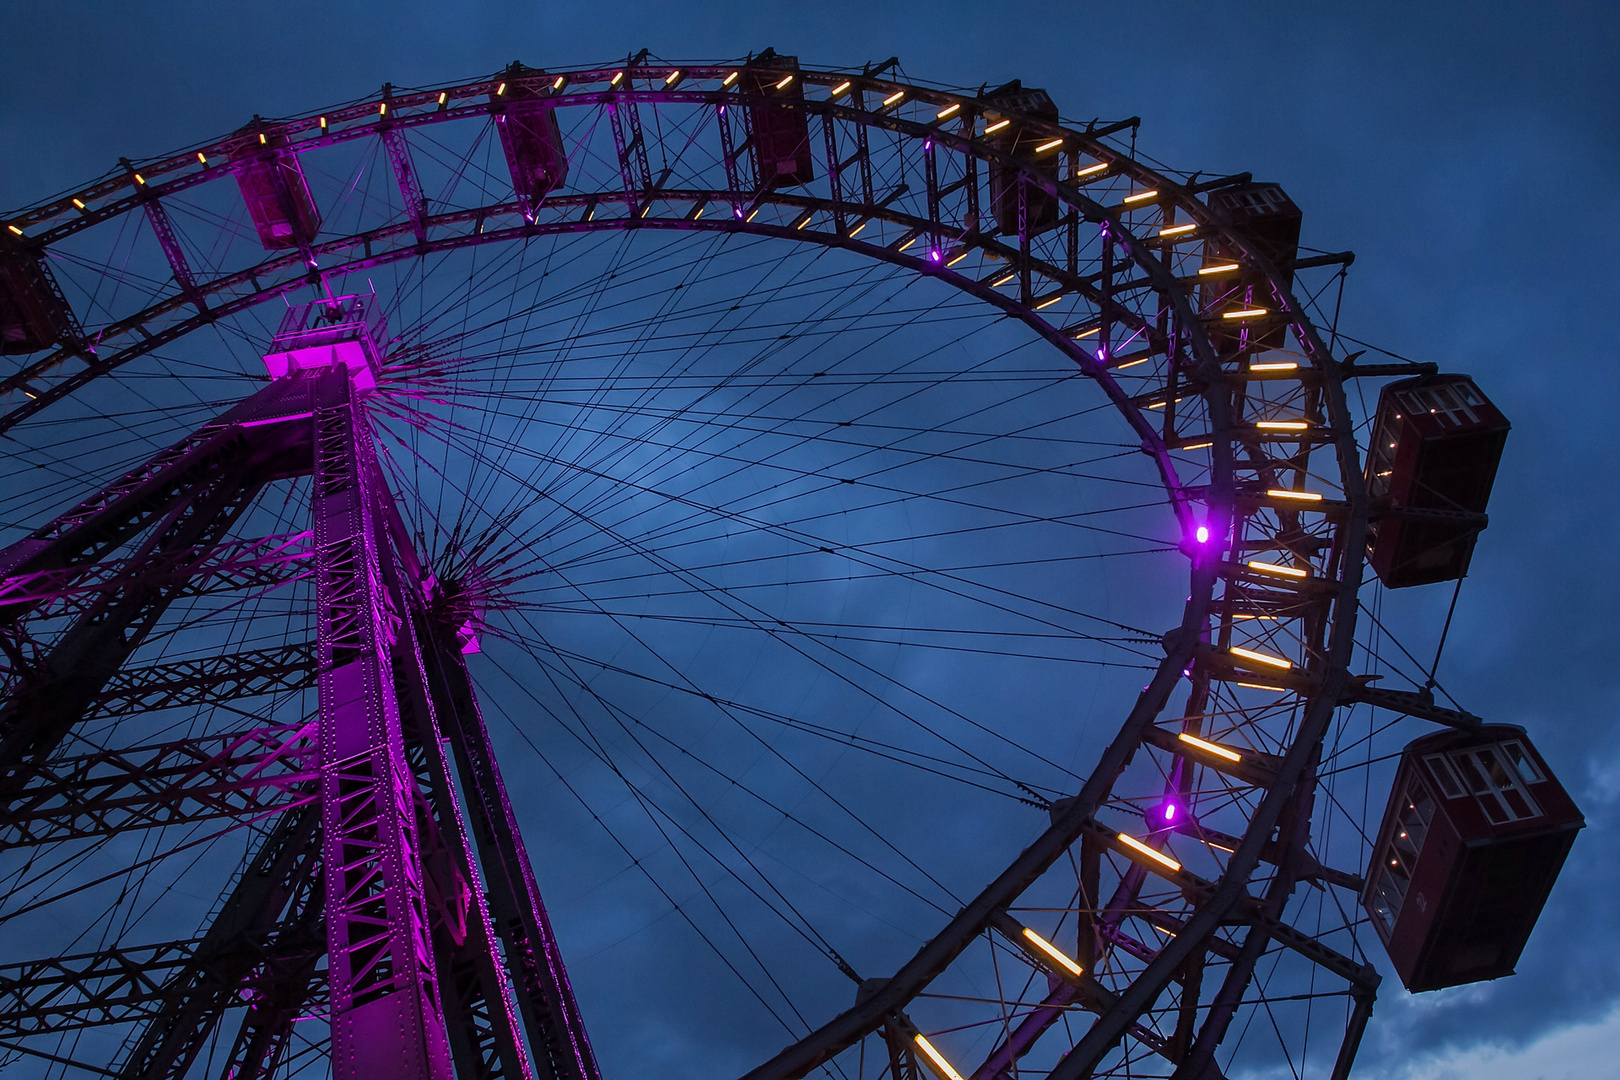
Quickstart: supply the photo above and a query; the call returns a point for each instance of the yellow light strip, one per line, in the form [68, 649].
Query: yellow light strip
[1157, 856]
[1133, 363]
[1278, 365]
[942, 1066]
[1209, 747]
[1003, 280]
[1177, 230]
[139, 179]
[1302, 496]
[956, 260]
[79, 203]
[559, 82]
[263, 141]
[948, 111]
[323, 128]
[1264, 686]
[997, 126]
[501, 89]
[1054, 952]
[202, 159]
[617, 77]
[1205, 271]
[1141, 196]
[1260, 658]
[382, 108]
[894, 97]
[1246, 313]
[840, 88]
[1198, 446]
[856, 231]
[785, 80]
[672, 76]
[444, 96]
[1048, 303]
[1282, 425]
[1280, 571]
[729, 79]
[14, 229]
[1093, 332]
[1092, 170]
[1051, 144]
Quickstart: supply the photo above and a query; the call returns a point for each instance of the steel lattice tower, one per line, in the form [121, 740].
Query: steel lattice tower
[440, 958]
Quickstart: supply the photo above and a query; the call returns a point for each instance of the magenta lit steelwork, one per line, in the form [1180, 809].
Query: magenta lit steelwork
[387, 1017]
[346, 331]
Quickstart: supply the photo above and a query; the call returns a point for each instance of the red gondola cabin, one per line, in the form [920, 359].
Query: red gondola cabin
[1476, 831]
[781, 128]
[1436, 444]
[274, 189]
[530, 136]
[1040, 208]
[1267, 218]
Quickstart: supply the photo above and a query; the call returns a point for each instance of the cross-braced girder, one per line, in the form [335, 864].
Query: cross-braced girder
[240, 775]
[363, 903]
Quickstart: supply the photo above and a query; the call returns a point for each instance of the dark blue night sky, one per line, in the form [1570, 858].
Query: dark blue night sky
[1467, 153]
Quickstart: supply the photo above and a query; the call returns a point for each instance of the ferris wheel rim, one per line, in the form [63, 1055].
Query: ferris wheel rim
[1218, 495]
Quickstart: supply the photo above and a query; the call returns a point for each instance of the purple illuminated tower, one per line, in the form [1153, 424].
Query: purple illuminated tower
[440, 960]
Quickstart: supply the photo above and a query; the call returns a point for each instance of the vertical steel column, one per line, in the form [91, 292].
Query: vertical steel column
[546, 999]
[387, 1019]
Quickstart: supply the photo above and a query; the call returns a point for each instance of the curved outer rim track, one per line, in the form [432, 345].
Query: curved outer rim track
[1326, 675]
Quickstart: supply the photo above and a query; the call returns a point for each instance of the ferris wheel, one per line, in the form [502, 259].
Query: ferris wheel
[905, 551]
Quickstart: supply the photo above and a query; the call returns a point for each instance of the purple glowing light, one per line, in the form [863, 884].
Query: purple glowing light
[935, 254]
[1169, 811]
[1202, 534]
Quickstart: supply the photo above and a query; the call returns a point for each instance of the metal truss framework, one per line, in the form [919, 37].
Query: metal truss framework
[1275, 526]
[363, 857]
